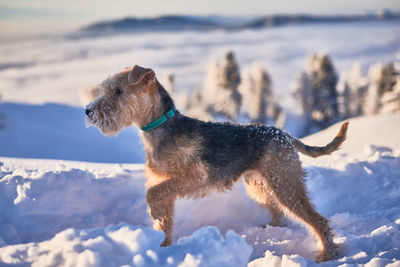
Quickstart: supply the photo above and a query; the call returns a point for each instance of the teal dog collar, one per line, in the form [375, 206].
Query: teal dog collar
[160, 121]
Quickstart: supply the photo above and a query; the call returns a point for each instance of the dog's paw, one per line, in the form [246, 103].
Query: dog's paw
[327, 255]
[166, 243]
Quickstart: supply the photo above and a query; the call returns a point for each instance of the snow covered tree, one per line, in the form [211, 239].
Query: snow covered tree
[387, 80]
[221, 88]
[211, 85]
[353, 86]
[382, 83]
[315, 89]
[263, 105]
[228, 98]
[372, 99]
[301, 91]
[247, 90]
[391, 98]
[258, 99]
[230, 73]
[323, 80]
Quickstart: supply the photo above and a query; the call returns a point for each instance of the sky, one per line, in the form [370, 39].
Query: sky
[47, 15]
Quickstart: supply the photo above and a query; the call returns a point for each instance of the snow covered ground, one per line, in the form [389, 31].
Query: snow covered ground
[77, 213]
[56, 131]
[70, 196]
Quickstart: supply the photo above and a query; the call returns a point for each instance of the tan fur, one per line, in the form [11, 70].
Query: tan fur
[276, 181]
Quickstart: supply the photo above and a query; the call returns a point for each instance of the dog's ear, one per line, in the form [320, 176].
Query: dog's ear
[141, 75]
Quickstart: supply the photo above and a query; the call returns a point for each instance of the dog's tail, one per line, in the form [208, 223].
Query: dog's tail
[315, 151]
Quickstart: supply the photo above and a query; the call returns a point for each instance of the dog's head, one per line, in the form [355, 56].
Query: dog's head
[129, 97]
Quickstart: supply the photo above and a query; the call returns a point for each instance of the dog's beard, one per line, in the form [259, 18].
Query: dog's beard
[103, 117]
[106, 127]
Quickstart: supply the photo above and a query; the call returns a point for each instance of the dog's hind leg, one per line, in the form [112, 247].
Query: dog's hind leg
[258, 190]
[290, 193]
[276, 213]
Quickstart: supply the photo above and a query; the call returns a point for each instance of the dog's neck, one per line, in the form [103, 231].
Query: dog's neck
[153, 137]
[160, 120]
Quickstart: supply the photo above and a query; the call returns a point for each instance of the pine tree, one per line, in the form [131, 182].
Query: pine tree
[230, 73]
[247, 90]
[228, 97]
[391, 97]
[315, 89]
[323, 80]
[264, 102]
[382, 83]
[391, 100]
[372, 102]
[258, 100]
[354, 87]
[301, 91]
[387, 80]
[212, 83]
[345, 100]
[221, 88]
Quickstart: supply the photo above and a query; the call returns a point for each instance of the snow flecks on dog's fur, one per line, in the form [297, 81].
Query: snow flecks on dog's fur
[104, 118]
[222, 153]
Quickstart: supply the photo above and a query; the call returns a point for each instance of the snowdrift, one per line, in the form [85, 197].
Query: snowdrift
[55, 131]
[70, 213]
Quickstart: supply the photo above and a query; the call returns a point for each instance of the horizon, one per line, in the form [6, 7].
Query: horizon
[30, 17]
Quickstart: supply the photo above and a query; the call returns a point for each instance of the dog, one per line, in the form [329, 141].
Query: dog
[186, 157]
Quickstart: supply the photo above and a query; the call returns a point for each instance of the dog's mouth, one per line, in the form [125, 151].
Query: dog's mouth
[89, 122]
[101, 115]
[106, 127]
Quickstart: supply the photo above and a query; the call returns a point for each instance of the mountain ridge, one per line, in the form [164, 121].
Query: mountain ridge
[169, 23]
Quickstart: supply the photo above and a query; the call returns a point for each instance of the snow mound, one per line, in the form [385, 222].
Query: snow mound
[379, 130]
[64, 197]
[63, 212]
[55, 131]
[124, 244]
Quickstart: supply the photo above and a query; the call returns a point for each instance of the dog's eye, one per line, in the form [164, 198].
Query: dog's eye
[118, 91]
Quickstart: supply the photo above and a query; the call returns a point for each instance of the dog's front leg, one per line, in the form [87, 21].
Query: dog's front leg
[160, 201]
[165, 224]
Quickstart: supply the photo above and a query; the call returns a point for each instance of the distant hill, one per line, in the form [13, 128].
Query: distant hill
[207, 23]
[164, 23]
[280, 20]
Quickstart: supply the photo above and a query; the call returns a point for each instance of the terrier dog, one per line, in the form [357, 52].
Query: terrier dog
[186, 157]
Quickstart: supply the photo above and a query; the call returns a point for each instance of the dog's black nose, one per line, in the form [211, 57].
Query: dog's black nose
[88, 112]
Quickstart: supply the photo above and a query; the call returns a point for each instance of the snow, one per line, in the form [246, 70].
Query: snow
[124, 244]
[56, 131]
[71, 196]
[376, 130]
[79, 213]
